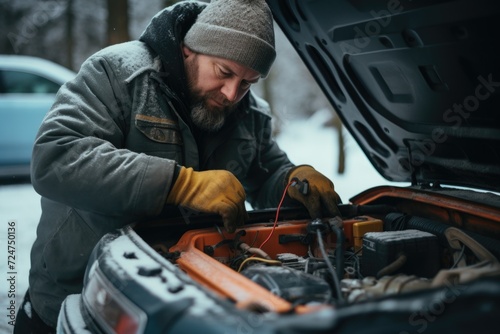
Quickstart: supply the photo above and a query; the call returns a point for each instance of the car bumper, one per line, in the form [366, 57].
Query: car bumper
[71, 319]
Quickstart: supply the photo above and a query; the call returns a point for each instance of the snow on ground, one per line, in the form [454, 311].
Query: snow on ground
[20, 204]
[305, 141]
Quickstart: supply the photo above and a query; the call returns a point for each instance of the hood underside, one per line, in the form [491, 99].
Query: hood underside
[417, 83]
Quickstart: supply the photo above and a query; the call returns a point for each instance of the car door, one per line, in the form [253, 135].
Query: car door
[25, 98]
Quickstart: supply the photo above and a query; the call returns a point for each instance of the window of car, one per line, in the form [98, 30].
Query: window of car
[12, 81]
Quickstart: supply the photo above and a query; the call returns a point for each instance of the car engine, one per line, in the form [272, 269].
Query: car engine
[386, 262]
[337, 261]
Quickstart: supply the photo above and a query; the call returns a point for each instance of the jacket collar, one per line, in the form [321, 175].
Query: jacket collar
[164, 34]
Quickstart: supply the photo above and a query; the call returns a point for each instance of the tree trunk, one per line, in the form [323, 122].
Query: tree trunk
[336, 123]
[340, 137]
[117, 22]
[267, 94]
[70, 19]
[168, 3]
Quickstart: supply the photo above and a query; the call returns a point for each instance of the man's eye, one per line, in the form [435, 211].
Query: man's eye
[245, 85]
[223, 73]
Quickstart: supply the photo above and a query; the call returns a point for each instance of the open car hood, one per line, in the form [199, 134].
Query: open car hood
[416, 83]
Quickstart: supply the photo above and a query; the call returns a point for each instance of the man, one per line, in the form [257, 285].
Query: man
[153, 124]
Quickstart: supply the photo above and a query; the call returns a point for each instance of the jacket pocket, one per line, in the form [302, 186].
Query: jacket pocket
[66, 254]
[160, 130]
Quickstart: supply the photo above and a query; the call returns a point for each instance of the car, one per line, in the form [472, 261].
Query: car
[28, 86]
[416, 83]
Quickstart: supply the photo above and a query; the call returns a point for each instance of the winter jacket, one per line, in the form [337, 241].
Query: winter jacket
[105, 154]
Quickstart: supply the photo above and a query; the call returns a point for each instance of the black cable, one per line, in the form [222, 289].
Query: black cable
[462, 252]
[330, 267]
[339, 250]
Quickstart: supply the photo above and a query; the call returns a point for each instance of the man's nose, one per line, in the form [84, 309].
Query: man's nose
[231, 90]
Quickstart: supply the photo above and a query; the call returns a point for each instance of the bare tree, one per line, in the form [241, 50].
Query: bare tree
[70, 19]
[168, 3]
[117, 22]
[336, 123]
[8, 18]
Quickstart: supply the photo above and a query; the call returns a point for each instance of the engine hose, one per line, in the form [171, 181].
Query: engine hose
[392, 267]
[254, 250]
[398, 221]
[457, 237]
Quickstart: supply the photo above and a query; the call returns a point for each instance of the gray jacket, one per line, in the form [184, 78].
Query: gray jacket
[105, 155]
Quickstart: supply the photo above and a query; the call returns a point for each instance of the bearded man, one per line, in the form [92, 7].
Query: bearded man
[151, 125]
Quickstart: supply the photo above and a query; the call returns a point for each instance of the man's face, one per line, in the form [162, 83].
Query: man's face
[216, 86]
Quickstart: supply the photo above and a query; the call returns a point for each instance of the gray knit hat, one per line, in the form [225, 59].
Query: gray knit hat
[238, 30]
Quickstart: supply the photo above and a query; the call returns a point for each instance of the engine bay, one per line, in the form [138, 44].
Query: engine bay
[332, 261]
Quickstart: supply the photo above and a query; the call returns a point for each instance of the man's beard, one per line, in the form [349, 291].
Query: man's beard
[206, 117]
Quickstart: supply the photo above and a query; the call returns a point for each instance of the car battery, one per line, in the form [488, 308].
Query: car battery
[381, 249]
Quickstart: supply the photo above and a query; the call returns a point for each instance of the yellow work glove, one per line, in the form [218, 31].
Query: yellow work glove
[314, 190]
[212, 191]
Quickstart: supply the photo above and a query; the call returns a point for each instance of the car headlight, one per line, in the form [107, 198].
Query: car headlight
[108, 306]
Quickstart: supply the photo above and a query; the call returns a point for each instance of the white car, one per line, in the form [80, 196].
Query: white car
[27, 90]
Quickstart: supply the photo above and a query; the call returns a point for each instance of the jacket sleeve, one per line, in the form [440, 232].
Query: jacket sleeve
[79, 157]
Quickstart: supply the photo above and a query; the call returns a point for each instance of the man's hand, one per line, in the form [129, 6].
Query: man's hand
[314, 190]
[212, 191]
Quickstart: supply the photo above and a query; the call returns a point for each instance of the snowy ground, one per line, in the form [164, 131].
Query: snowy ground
[305, 141]
[19, 204]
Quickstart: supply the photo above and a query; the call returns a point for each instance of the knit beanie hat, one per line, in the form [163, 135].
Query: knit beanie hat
[238, 30]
